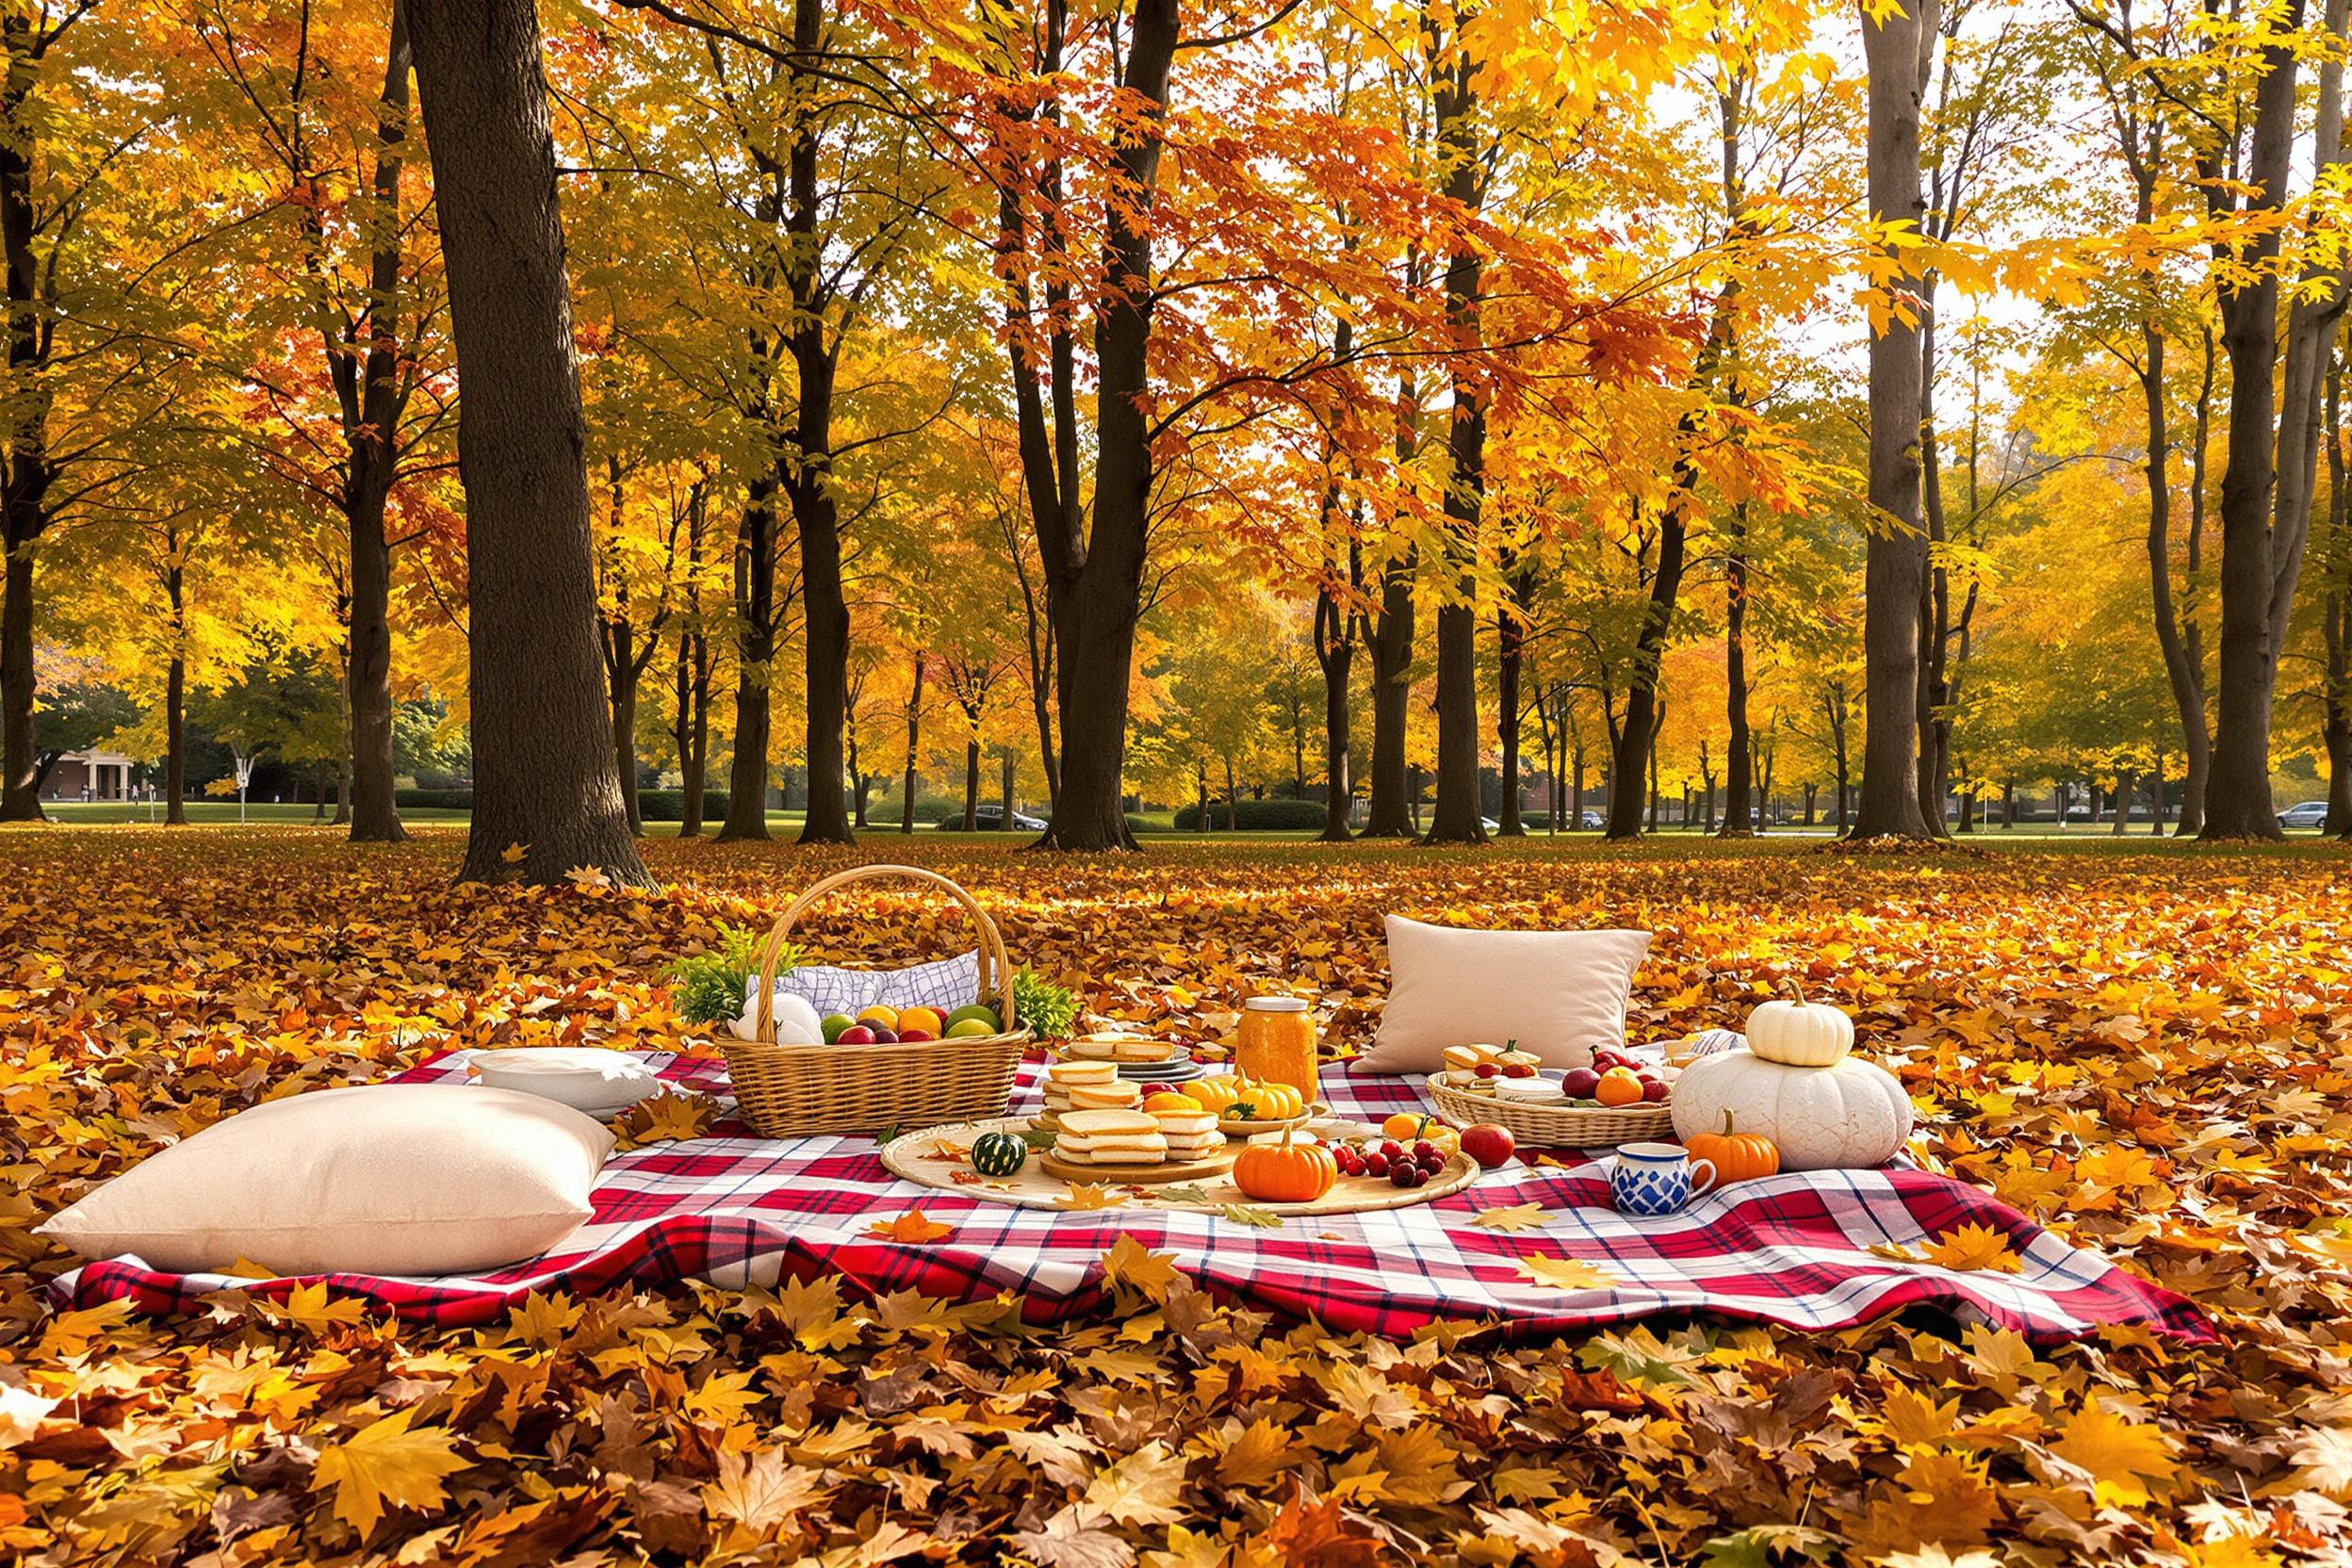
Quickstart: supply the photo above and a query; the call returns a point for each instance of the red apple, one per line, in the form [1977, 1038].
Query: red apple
[912, 1036]
[856, 1034]
[884, 1035]
[1580, 1082]
[1653, 1091]
[1490, 1145]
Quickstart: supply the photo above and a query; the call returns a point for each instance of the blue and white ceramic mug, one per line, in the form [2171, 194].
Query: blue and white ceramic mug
[1653, 1179]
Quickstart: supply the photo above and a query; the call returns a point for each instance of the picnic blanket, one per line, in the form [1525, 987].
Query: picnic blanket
[1795, 1250]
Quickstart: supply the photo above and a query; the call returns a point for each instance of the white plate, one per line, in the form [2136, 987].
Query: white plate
[598, 1083]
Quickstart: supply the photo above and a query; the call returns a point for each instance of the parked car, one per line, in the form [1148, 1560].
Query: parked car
[990, 819]
[1594, 822]
[2309, 813]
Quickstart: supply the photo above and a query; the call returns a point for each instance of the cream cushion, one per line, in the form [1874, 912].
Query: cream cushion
[386, 1179]
[1561, 994]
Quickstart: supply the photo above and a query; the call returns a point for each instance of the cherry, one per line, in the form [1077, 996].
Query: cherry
[1376, 1164]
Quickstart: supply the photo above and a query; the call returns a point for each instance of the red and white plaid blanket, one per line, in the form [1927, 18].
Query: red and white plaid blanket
[1792, 1250]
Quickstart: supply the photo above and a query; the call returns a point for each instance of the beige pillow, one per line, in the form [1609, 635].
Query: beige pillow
[1561, 994]
[386, 1179]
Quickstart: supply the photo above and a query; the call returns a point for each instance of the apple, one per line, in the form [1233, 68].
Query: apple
[856, 1034]
[1653, 1092]
[836, 1026]
[1490, 1145]
[915, 1035]
[882, 1035]
[1579, 1083]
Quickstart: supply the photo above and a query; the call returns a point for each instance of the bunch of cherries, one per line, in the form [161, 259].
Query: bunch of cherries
[1404, 1166]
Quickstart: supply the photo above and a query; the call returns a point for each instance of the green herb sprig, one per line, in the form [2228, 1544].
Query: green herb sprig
[708, 986]
[1047, 1009]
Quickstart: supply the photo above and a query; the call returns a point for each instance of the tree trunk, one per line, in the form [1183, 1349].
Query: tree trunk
[1511, 634]
[694, 727]
[2335, 622]
[1335, 653]
[1390, 643]
[175, 744]
[1094, 593]
[1737, 815]
[1643, 711]
[2237, 794]
[24, 504]
[1898, 49]
[1009, 786]
[755, 654]
[623, 670]
[543, 757]
[914, 741]
[971, 786]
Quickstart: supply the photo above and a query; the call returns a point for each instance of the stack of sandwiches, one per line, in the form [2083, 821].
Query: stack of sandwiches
[1118, 1048]
[1168, 1127]
[1189, 1127]
[1126, 1137]
[1087, 1087]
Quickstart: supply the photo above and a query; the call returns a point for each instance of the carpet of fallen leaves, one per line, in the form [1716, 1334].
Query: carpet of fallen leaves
[2148, 1049]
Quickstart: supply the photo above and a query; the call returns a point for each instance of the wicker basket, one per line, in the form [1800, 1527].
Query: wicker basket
[795, 1090]
[1555, 1126]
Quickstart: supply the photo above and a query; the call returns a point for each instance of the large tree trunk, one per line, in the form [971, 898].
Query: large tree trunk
[693, 730]
[2335, 621]
[1389, 641]
[971, 783]
[1897, 47]
[914, 743]
[816, 513]
[1456, 818]
[543, 759]
[1335, 652]
[1511, 634]
[24, 502]
[1009, 788]
[2237, 794]
[368, 387]
[1094, 588]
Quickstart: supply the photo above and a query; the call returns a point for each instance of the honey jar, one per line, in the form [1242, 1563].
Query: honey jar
[1277, 1043]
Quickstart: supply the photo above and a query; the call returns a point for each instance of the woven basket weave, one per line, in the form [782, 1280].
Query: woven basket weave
[795, 1090]
[1555, 1126]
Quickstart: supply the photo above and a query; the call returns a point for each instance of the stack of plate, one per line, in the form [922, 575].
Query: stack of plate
[1179, 1069]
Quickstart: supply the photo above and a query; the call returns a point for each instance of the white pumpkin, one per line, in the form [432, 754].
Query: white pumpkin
[796, 1020]
[1802, 1034]
[1851, 1115]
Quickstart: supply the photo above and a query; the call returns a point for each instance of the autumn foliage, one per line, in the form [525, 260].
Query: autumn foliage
[2138, 1048]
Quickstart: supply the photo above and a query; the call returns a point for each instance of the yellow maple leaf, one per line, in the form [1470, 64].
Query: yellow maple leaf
[1565, 1274]
[1974, 1246]
[385, 1464]
[914, 1225]
[1084, 1195]
[1262, 1451]
[1515, 1217]
[1142, 1489]
[669, 1118]
[1130, 1262]
[513, 854]
[307, 1307]
[2120, 1454]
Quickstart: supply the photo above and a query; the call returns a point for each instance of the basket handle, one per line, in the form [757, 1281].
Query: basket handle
[993, 963]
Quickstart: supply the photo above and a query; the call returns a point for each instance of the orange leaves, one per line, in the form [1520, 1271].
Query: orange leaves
[196, 978]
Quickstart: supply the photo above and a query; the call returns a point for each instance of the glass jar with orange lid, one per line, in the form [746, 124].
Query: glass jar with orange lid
[1276, 1043]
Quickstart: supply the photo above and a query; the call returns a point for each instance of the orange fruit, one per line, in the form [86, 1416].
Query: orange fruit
[919, 1017]
[1404, 1126]
[1618, 1087]
[1172, 1102]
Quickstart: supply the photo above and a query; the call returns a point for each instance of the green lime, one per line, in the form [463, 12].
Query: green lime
[834, 1025]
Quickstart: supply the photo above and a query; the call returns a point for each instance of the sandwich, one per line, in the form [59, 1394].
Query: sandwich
[1092, 1048]
[1106, 1096]
[1463, 1061]
[1109, 1137]
[1062, 1078]
[1141, 1051]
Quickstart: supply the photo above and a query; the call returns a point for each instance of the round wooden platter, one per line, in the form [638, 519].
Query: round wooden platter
[938, 1158]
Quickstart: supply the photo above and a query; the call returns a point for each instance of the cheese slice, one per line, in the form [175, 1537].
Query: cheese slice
[1081, 1072]
[1103, 1097]
[1100, 1122]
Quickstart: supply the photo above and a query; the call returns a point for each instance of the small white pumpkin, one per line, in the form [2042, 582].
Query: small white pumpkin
[796, 1020]
[1851, 1115]
[1802, 1034]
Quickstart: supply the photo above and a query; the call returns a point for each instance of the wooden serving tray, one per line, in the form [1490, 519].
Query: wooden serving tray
[918, 1157]
[1315, 1112]
[1167, 1171]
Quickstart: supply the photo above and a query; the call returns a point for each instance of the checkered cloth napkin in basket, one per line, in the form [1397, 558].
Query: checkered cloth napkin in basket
[1792, 1250]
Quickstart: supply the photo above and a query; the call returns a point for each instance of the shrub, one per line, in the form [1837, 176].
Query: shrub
[1255, 816]
[454, 800]
[670, 806]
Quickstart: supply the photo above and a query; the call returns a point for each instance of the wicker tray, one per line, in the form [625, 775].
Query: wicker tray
[795, 1090]
[1555, 1126]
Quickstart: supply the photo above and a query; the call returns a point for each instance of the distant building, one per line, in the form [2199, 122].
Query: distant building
[90, 776]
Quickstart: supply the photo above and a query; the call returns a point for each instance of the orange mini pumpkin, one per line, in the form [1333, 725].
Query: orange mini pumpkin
[1286, 1172]
[1736, 1156]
